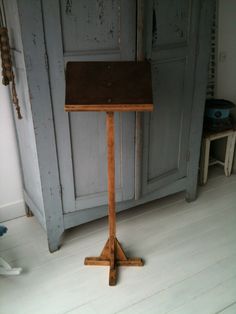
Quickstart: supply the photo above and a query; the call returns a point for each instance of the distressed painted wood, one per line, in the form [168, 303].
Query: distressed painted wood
[25, 127]
[89, 187]
[199, 96]
[89, 214]
[173, 53]
[101, 19]
[42, 118]
[55, 139]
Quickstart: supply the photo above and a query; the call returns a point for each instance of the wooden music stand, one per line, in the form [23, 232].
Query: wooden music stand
[110, 87]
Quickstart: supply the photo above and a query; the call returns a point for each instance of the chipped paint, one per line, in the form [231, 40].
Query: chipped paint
[174, 19]
[34, 39]
[101, 11]
[28, 63]
[68, 9]
[90, 25]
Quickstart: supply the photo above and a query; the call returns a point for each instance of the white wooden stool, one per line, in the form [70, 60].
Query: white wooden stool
[205, 153]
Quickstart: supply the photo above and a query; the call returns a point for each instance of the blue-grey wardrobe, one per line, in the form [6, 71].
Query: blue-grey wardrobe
[63, 155]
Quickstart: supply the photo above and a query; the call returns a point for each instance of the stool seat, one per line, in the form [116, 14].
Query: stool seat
[208, 137]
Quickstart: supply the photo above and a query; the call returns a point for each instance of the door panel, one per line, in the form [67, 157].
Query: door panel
[89, 30]
[166, 75]
[171, 22]
[100, 19]
[89, 158]
[166, 130]
[98, 29]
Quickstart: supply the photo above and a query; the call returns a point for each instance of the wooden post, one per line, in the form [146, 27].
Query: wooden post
[140, 56]
[111, 193]
[111, 173]
[112, 254]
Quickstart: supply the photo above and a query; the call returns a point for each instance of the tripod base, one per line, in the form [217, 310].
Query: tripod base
[113, 255]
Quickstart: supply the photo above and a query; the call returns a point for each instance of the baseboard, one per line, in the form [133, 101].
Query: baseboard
[12, 210]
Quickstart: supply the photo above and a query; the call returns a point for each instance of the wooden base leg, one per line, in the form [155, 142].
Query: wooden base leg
[113, 255]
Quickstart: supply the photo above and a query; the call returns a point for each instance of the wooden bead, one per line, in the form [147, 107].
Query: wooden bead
[5, 81]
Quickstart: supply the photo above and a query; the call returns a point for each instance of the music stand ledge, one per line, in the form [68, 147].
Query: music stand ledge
[109, 87]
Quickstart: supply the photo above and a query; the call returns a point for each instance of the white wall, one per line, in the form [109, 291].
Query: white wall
[226, 65]
[226, 71]
[11, 197]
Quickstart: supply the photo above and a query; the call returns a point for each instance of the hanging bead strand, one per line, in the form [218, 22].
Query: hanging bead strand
[7, 69]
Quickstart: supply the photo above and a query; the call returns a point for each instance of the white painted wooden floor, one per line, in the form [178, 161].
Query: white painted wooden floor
[189, 250]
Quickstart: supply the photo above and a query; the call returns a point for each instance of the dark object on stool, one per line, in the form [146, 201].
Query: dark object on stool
[109, 87]
[217, 115]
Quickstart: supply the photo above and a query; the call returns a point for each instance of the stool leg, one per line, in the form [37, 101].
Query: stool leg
[205, 155]
[202, 159]
[229, 154]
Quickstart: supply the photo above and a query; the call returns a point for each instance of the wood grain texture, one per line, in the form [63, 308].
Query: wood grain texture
[42, 117]
[199, 96]
[112, 254]
[111, 174]
[112, 108]
[53, 132]
[166, 130]
[110, 83]
[84, 186]
[24, 128]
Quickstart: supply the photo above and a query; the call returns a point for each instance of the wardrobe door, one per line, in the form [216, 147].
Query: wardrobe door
[172, 50]
[86, 31]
